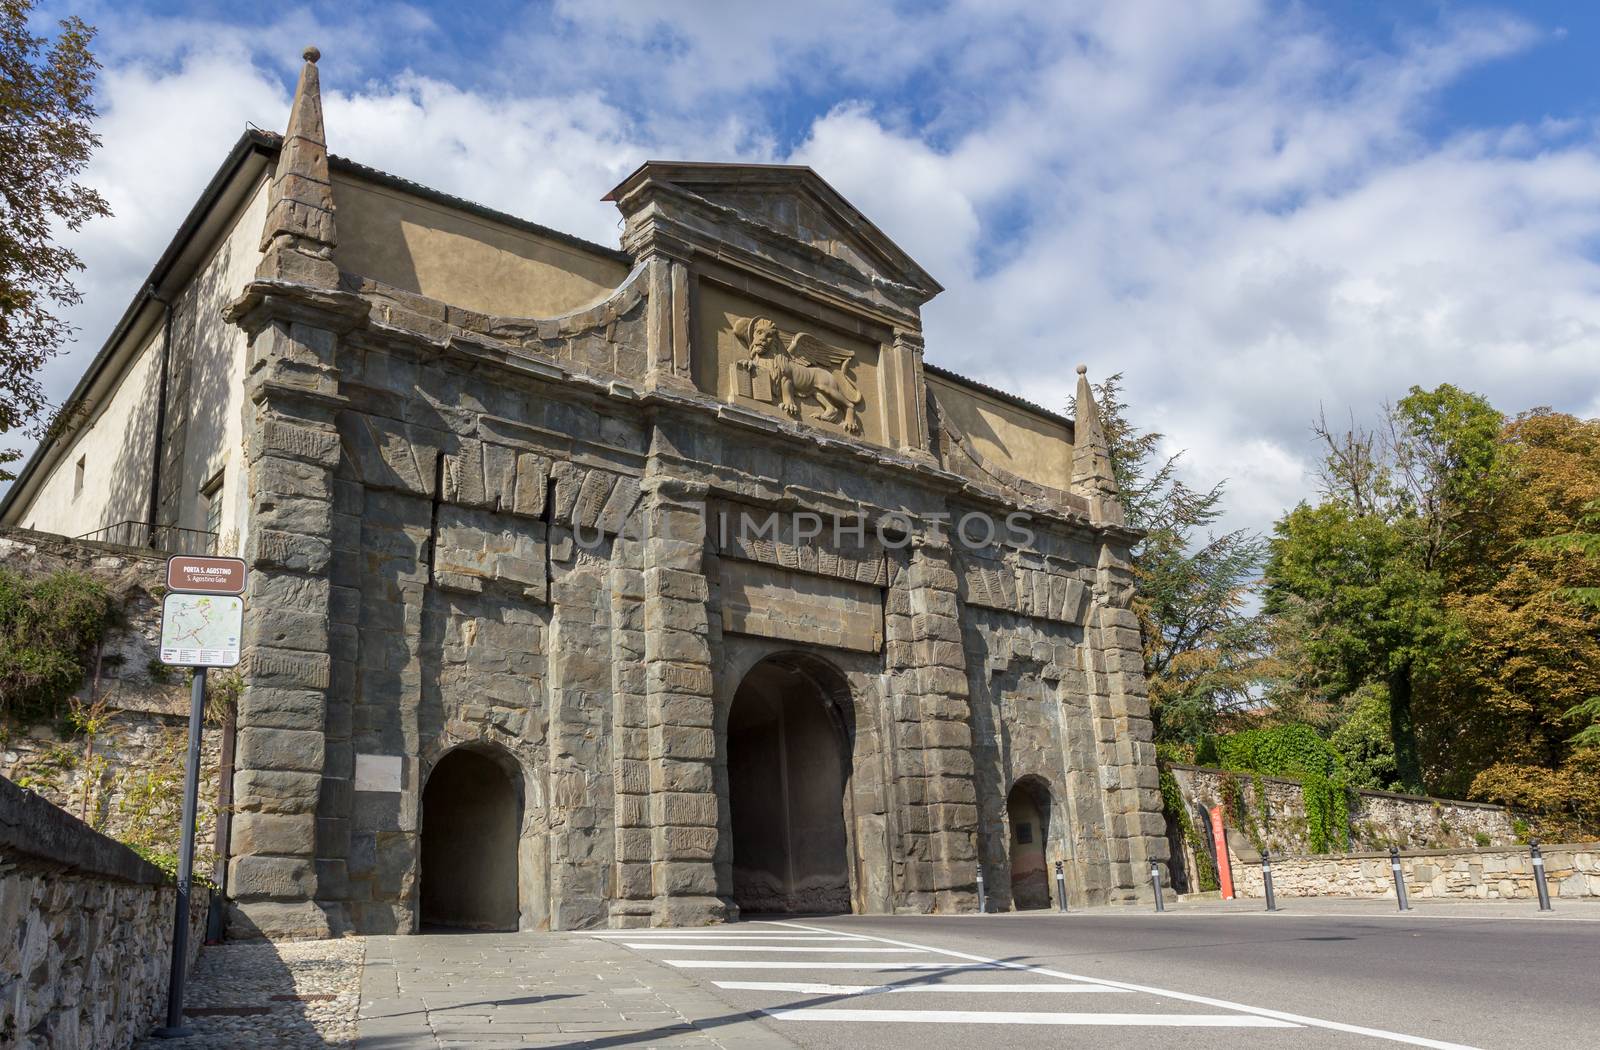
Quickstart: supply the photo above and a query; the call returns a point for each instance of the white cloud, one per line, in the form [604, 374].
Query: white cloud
[1239, 208]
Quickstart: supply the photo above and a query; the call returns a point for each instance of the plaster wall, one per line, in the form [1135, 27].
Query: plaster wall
[116, 439]
[1028, 445]
[115, 444]
[455, 257]
[214, 441]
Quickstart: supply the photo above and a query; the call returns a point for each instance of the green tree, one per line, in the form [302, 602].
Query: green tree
[1363, 740]
[1364, 571]
[45, 143]
[1202, 640]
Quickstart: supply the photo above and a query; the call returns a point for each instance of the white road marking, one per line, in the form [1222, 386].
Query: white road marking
[898, 989]
[674, 945]
[1204, 1000]
[1026, 1017]
[742, 964]
[663, 935]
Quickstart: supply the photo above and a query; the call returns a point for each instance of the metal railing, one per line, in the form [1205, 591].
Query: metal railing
[169, 539]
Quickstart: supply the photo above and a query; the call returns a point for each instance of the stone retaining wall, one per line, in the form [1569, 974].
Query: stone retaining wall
[1465, 874]
[126, 780]
[1378, 819]
[85, 931]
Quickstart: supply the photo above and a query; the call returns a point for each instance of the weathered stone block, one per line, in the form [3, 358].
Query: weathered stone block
[281, 749]
[291, 878]
[273, 833]
[276, 791]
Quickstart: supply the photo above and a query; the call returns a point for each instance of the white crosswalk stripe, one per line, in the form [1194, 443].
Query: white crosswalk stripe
[843, 964]
[823, 1013]
[805, 988]
[938, 984]
[675, 946]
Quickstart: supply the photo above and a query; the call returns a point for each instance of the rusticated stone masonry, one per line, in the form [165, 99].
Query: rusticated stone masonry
[681, 746]
[933, 735]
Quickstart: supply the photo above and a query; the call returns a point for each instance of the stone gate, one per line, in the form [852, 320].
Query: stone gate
[653, 586]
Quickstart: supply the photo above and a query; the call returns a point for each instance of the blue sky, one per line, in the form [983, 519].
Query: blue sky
[1253, 210]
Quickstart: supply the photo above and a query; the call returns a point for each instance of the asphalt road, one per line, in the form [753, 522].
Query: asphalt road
[1114, 979]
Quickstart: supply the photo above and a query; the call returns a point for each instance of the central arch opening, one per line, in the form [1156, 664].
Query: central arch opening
[471, 817]
[787, 765]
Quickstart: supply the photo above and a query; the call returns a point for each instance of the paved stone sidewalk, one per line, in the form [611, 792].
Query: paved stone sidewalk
[285, 996]
[537, 990]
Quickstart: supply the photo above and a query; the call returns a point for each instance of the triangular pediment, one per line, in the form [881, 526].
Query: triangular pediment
[796, 202]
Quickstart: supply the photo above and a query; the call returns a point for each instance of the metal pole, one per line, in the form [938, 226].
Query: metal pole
[1266, 881]
[1155, 881]
[1399, 879]
[174, 1028]
[1061, 888]
[1538, 876]
[983, 898]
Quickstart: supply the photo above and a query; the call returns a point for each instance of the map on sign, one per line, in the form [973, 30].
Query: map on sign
[201, 630]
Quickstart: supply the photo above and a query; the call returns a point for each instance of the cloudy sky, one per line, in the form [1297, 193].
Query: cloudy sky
[1250, 209]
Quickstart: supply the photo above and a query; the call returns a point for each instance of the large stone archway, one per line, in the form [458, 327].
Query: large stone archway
[471, 825]
[788, 754]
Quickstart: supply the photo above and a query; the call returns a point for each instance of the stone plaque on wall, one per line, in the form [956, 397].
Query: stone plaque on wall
[770, 602]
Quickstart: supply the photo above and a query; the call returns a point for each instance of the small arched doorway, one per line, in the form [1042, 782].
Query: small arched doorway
[787, 772]
[471, 819]
[1028, 813]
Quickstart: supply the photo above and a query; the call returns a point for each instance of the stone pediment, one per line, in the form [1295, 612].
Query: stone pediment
[789, 201]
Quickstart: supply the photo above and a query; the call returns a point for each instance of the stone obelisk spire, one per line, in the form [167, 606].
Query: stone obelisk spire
[299, 235]
[1092, 477]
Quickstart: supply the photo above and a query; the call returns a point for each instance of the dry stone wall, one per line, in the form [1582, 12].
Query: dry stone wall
[85, 931]
[1572, 871]
[123, 779]
[1378, 819]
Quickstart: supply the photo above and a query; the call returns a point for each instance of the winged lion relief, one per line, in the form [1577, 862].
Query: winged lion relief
[804, 369]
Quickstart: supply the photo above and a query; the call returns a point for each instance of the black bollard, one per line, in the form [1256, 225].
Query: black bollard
[1155, 881]
[1399, 879]
[983, 899]
[1266, 881]
[1538, 876]
[1061, 888]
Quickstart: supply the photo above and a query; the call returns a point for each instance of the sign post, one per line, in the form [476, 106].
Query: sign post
[202, 619]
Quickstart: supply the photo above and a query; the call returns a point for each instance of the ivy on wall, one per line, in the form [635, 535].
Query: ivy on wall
[48, 628]
[1172, 802]
[1298, 753]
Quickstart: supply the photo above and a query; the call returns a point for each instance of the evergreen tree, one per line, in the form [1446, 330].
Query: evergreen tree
[1203, 643]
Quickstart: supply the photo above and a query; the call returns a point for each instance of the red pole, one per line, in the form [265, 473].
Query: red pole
[1224, 869]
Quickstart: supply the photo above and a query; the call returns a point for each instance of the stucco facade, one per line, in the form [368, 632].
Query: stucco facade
[676, 552]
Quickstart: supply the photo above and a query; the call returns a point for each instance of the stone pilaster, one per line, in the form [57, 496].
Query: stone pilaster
[680, 713]
[632, 901]
[932, 733]
[579, 738]
[1121, 704]
[290, 641]
[902, 369]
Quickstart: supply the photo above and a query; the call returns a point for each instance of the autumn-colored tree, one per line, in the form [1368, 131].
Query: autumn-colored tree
[1516, 705]
[45, 143]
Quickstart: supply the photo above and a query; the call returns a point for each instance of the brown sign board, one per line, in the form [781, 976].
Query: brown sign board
[196, 574]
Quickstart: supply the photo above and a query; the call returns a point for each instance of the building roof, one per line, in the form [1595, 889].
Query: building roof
[709, 179]
[257, 148]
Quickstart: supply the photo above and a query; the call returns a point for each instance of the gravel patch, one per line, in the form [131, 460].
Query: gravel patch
[255, 994]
